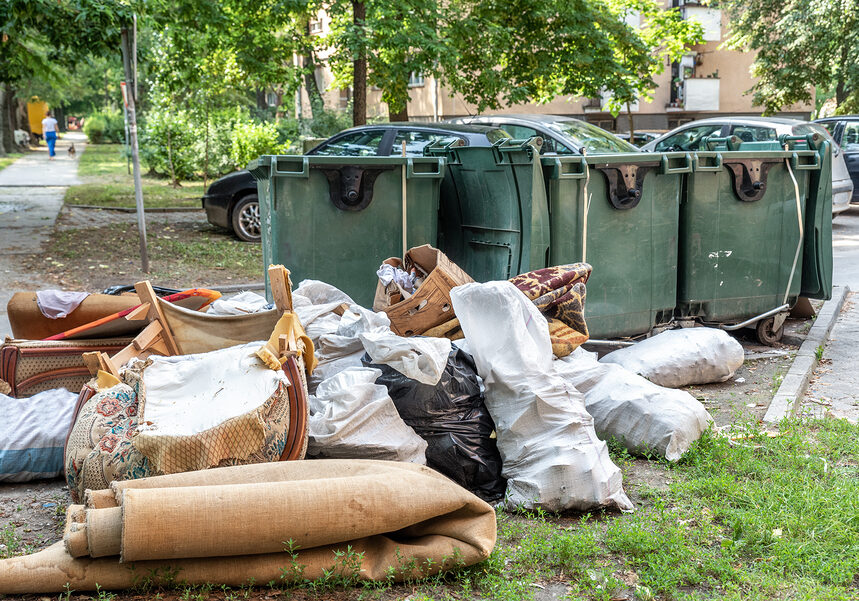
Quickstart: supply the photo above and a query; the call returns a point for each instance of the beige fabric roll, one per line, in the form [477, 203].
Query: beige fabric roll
[201, 521]
[104, 531]
[99, 499]
[74, 534]
[51, 570]
[420, 522]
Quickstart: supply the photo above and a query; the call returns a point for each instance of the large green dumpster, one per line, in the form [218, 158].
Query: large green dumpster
[494, 220]
[336, 219]
[620, 214]
[741, 238]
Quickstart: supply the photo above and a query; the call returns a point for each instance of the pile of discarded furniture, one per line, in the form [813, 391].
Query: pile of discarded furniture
[428, 365]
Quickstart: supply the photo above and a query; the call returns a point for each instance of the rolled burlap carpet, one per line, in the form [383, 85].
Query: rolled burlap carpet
[227, 525]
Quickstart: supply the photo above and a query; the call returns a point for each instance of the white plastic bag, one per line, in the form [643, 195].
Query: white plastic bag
[240, 304]
[682, 357]
[32, 434]
[551, 454]
[421, 359]
[638, 413]
[351, 417]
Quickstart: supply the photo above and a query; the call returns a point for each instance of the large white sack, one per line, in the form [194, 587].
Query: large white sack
[351, 417]
[314, 302]
[682, 357]
[638, 413]
[418, 358]
[551, 454]
[32, 434]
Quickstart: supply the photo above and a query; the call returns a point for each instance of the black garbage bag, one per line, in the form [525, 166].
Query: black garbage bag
[452, 418]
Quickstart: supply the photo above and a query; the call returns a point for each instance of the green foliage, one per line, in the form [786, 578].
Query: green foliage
[250, 140]
[329, 122]
[663, 36]
[105, 127]
[168, 144]
[799, 45]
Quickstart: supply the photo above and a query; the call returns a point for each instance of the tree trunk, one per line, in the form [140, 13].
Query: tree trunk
[261, 104]
[631, 124]
[402, 115]
[359, 69]
[174, 181]
[4, 124]
[317, 102]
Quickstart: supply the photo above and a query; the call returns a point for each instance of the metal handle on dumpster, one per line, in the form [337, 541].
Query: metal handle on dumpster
[797, 163]
[814, 140]
[668, 169]
[305, 167]
[700, 162]
[411, 173]
[512, 145]
[730, 142]
[625, 181]
[576, 168]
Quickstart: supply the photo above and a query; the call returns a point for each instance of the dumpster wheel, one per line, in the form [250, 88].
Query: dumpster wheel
[765, 332]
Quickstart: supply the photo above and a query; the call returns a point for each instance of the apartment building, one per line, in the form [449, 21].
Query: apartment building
[709, 81]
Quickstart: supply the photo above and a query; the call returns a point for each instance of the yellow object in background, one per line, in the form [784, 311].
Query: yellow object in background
[37, 110]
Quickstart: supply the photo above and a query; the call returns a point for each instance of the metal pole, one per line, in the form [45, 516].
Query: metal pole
[131, 87]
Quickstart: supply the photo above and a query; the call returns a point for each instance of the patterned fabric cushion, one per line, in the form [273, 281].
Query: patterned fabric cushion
[559, 292]
[99, 449]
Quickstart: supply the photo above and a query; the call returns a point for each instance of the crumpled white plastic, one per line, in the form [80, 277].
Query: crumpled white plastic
[682, 357]
[240, 304]
[421, 359]
[552, 456]
[389, 273]
[352, 417]
[639, 414]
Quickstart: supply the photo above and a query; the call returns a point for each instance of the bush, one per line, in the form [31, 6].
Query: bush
[105, 127]
[221, 126]
[329, 123]
[251, 140]
[169, 144]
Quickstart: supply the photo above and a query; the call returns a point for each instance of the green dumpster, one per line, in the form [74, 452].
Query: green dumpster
[494, 220]
[817, 250]
[336, 219]
[620, 214]
[741, 239]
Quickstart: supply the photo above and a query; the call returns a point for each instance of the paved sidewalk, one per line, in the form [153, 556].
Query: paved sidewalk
[834, 391]
[31, 196]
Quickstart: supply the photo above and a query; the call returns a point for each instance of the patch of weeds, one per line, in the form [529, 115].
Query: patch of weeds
[818, 352]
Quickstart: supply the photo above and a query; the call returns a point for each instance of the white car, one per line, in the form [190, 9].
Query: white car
[758, 129]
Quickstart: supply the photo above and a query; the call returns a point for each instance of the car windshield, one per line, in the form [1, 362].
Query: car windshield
[591, 137]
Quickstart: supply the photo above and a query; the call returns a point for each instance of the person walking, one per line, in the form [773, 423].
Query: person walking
[49, 129]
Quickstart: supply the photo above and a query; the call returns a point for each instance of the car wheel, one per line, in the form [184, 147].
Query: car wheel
[246, 219]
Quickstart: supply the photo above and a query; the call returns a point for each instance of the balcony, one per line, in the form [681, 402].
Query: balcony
[696, 94]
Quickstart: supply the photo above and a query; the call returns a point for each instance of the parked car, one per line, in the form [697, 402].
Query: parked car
[641, 137]
[845, 130]
[759, 129]
[561, 135]
[231, 202]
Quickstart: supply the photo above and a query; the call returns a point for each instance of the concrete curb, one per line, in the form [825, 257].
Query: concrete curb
[788, 398]
[134, 210]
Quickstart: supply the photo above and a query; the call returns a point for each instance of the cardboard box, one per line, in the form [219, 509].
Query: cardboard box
[430, 305]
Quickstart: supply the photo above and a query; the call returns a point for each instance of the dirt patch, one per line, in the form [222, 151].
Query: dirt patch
[183, 254]
[32, 515]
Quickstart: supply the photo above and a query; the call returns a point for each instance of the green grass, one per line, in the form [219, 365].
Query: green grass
[9, 159]
[107, 183]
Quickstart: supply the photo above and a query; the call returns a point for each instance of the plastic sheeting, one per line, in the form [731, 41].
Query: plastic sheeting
[352, 417]
[551, 454]
[398, 520]
[452, 417]
[642, 416]
[678, 358]
[421, 359]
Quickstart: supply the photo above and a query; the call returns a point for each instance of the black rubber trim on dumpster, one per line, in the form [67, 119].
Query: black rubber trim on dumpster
[625, 181]
[351, 187]
[750, 177]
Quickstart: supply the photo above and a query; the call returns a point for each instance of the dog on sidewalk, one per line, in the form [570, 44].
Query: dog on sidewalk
[72, 151]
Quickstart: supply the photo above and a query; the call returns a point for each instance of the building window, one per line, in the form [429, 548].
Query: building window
[316, 27]
[271, 99]
[416, 80]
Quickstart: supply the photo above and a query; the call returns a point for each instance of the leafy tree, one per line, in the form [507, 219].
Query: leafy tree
[800, 44]
[663, 36]
[41, 38]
